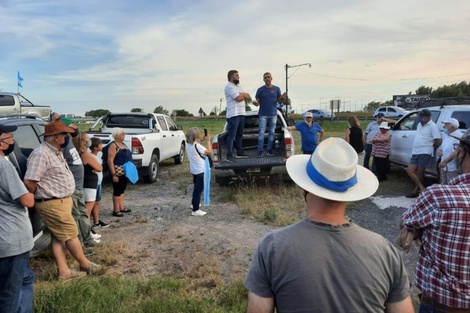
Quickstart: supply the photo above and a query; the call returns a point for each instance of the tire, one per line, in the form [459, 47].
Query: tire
[180, 157]
[152, 170]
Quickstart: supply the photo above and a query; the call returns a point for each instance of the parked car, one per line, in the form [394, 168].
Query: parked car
[319, 114]
[404, 131]
[391, 112]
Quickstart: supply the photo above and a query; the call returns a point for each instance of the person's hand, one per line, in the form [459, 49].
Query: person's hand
[255, 103]
[406, 238]
[115, 179]
[442, 164]
[440, 153]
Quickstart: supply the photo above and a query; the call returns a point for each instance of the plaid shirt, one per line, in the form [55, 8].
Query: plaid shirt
[47, 166]
[443, 269]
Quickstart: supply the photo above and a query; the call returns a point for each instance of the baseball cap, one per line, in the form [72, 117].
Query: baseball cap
[380, 115]
[425, 112]
[7, 128]
[309, 114]
[454, 122]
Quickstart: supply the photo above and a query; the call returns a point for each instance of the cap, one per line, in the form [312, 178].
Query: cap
[380, 115]
[454, 122]
[309, 114]
[425, 112]
[7, 128]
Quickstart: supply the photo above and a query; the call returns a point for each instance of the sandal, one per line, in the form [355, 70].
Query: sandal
[118, 214]
[73, 274]
[126, 211]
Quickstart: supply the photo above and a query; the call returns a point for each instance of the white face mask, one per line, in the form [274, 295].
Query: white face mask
[88, 143]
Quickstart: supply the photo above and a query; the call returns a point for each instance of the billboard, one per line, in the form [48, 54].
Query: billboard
[409, 101]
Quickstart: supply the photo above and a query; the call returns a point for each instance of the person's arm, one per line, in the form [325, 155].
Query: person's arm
[88, 158]
[437, 142]
[448, 159]
[346, 135]
[243, 96]
[208, 150]
[257, 304]
[322, 135]
[404, 306]
[291, 128]
[27, 200]
[111, 156]
[282, 98]
[31, 185]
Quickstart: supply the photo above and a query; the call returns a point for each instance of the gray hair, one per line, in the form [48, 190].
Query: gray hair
[117, 131]
[48, 138]
[192, 135]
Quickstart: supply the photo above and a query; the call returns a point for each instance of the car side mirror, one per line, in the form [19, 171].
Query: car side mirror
[290, 122]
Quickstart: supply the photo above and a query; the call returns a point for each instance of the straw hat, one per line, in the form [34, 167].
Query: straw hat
[331, 172]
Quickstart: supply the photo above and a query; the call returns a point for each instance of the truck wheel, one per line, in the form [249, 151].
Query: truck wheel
[152, 170]
[180, 157]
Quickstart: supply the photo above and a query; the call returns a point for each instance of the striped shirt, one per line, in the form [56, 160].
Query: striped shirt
[442, 212]
[47, 167]
[381, 149]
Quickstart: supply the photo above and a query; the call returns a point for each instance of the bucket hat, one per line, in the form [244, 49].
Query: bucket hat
[332, 172]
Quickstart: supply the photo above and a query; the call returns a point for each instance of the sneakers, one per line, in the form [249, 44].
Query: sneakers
[192, 206]
[242, 156]
[230, 159]
[93, 269]
[260, 154]
[198, 213]
[270, 153]
[94, 235]
[101, 224]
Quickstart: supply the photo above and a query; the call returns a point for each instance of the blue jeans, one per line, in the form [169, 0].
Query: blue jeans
[16, 284]
[264, 121]
[235, 128]
[198, 189]
[426, 308]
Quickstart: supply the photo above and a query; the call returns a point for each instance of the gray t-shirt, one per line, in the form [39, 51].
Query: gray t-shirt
[16, 233]
[75, 164]
[315, 267]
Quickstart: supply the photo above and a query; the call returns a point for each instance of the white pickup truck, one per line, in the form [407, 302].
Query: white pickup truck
[15, 104]
[151, 138]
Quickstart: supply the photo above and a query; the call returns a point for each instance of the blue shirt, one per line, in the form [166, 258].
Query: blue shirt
[268, 100]
[308, 135]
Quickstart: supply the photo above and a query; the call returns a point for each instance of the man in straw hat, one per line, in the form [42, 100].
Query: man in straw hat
[440, 221]
[326, 263]
[50, 180]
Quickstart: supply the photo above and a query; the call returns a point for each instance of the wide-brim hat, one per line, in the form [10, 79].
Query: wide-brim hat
[332, 172]
[7, 128]
[384, 125]
[55, 128]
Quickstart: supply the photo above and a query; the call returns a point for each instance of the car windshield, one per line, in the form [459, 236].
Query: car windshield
[400, 109]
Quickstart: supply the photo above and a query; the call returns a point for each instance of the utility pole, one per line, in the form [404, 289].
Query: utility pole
[287, 66]
[220, 105]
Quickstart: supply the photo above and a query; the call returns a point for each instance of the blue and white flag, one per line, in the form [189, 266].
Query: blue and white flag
[20, 80]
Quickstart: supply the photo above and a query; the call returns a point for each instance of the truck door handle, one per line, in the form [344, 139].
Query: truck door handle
[404, 136]
[164, 135]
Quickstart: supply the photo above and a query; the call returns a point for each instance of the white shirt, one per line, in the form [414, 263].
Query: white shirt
[424, 140]
[447, 148]
[196, 163]
[234, 108]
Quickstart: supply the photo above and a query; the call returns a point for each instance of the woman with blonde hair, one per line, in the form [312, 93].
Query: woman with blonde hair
[354, 137]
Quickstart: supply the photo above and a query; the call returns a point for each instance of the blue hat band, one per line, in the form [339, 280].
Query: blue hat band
[324, 182]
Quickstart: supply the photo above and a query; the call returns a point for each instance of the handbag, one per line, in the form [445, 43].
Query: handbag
[211, 163]
[119, 170]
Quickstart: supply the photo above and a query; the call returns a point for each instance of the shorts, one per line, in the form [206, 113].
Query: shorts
[90, 194]
[98, 193]
[422, 160]
[120, 186]
[57, 216]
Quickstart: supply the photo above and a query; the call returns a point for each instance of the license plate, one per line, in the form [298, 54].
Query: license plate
[253, 170]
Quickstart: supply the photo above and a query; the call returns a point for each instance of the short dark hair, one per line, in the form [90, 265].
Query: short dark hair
[95, 142]
[230, 74]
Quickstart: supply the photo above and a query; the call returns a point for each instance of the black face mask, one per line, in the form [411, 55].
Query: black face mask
[9, 149]
[236, 81]
[66, 142]
[75, 133]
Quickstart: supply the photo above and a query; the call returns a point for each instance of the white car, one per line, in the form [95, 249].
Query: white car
[404, 131]
[319, 114]
[391, 112]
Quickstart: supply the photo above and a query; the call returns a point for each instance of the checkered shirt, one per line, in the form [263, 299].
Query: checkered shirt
[47, 166]
[443, 268]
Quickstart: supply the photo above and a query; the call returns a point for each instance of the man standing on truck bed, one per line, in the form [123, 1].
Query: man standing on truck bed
[267, 97]
[235, 98]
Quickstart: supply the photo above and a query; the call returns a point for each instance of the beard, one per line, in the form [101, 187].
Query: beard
[236, 81]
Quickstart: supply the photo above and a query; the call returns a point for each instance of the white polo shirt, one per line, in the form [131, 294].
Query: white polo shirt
[424, 140]
[234, 108]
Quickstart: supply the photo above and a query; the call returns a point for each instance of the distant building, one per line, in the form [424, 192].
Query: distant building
[201, 112]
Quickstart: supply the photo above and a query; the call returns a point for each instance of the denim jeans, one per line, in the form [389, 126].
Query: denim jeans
[264, 121]
[198, 189]
[16, 284]
[235, 128]
[426, 308]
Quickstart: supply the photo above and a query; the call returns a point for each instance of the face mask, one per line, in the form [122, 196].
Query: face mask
[446, 131]
[420, 119]
[383, 131]
[66, 142]
[75, 133]
[9, 149]
[88, 143]
[236, 81]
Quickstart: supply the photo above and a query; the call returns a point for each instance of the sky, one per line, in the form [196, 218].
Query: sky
[78, 56]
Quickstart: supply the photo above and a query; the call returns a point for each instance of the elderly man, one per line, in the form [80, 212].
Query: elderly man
[16, 234]
[50, 180]
[309, 130]
[440, 220]
[448, 166]
[427, 139]
[235, 98]
[326, 263]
